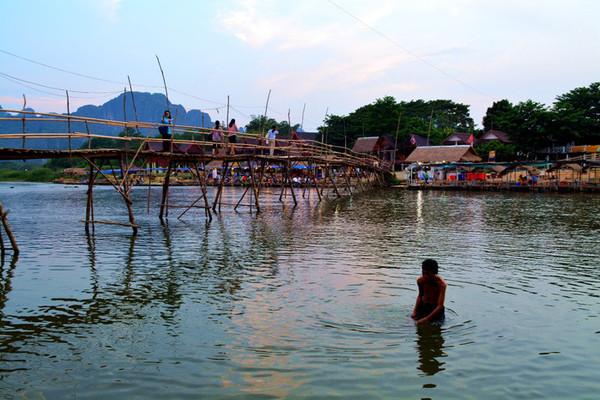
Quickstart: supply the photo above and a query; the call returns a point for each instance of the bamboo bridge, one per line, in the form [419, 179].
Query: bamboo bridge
[328, 171]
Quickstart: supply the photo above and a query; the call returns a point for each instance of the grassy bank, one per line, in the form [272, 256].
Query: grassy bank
[35, 174]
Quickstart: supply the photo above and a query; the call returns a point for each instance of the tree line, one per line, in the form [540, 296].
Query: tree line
[573, 118]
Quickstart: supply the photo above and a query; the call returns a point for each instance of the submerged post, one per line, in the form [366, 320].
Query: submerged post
[89, 210]
[165, 194]
[11, 237]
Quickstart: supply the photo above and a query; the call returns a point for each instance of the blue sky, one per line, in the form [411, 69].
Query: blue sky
[313, 52]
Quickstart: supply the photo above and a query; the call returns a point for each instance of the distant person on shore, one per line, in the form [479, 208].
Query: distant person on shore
[165, 129]
[429, 306]
[271, 138]
[232, 135]
[216, 136]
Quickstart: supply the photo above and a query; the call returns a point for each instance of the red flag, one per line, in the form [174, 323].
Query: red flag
[471, 139]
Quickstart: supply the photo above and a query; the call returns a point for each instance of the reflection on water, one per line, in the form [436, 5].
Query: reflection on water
[311, 301]
[430, 344]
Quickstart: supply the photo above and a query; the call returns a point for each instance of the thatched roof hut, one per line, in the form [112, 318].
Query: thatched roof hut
[443, 154]
[531, 170]
[365, 144]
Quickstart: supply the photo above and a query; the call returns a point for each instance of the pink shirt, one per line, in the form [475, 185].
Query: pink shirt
[232, 130]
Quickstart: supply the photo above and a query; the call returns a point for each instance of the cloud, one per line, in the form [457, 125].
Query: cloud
[348, 54]
[262, 25]
[110, 9]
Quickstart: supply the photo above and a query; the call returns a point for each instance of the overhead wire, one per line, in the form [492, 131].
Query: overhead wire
[55, 88]
[62, 95]
[124, 84]
[406, 50]
[27, 83]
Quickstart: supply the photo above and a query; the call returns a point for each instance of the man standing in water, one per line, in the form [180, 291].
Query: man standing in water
[429, 306]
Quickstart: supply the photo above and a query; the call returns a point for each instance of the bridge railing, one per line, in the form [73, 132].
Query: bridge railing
[195, 137]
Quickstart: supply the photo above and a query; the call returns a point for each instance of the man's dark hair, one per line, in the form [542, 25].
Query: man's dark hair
[430, 265]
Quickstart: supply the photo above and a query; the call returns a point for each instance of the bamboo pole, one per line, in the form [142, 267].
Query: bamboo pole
[135, 115]
[217, 200]
[203, 195]
[164, 205]
[263, 164]
[264, 119]
[129, 225]
[291, 183]
[313, 174]
[90, 201]
[23, 121]
[164, 80]
[227, 117]
[69, 118]
[329, 175]
[203, 183]
[149, 186]
[347, 179]
[241, 198]
[9, 233]
[254, 188]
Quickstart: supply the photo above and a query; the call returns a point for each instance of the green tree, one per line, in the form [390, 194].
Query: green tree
[499, 116]
[504, 152]
[531, 129]
[260, 124]
[436, 119]
[577, 115]
[528, 124]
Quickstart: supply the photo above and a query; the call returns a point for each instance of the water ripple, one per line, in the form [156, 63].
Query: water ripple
[305, 302]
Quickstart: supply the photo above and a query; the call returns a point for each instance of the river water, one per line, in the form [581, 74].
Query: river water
[306, 302]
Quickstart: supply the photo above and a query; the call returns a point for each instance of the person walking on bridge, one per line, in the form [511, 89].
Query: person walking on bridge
[271, 139]
[231, 133]
[216, 137]
[165, 129]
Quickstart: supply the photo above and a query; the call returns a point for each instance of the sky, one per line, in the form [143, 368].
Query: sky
[326, 56]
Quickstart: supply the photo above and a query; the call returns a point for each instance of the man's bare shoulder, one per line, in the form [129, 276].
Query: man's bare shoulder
[442, 282]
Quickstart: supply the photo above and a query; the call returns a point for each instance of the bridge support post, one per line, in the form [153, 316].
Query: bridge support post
[313, 176]
[89, 209]
[330, 176]
[347, 180]
[287, 181]
[164, 203]
[123, 188]
[201, 177]
[217, 200]
[255, 188]
[11, 237]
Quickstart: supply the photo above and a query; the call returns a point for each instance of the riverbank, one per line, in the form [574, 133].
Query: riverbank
[35, 174]
[560, 187]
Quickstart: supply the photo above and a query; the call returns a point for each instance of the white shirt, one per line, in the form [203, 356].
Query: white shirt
[272, 134]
